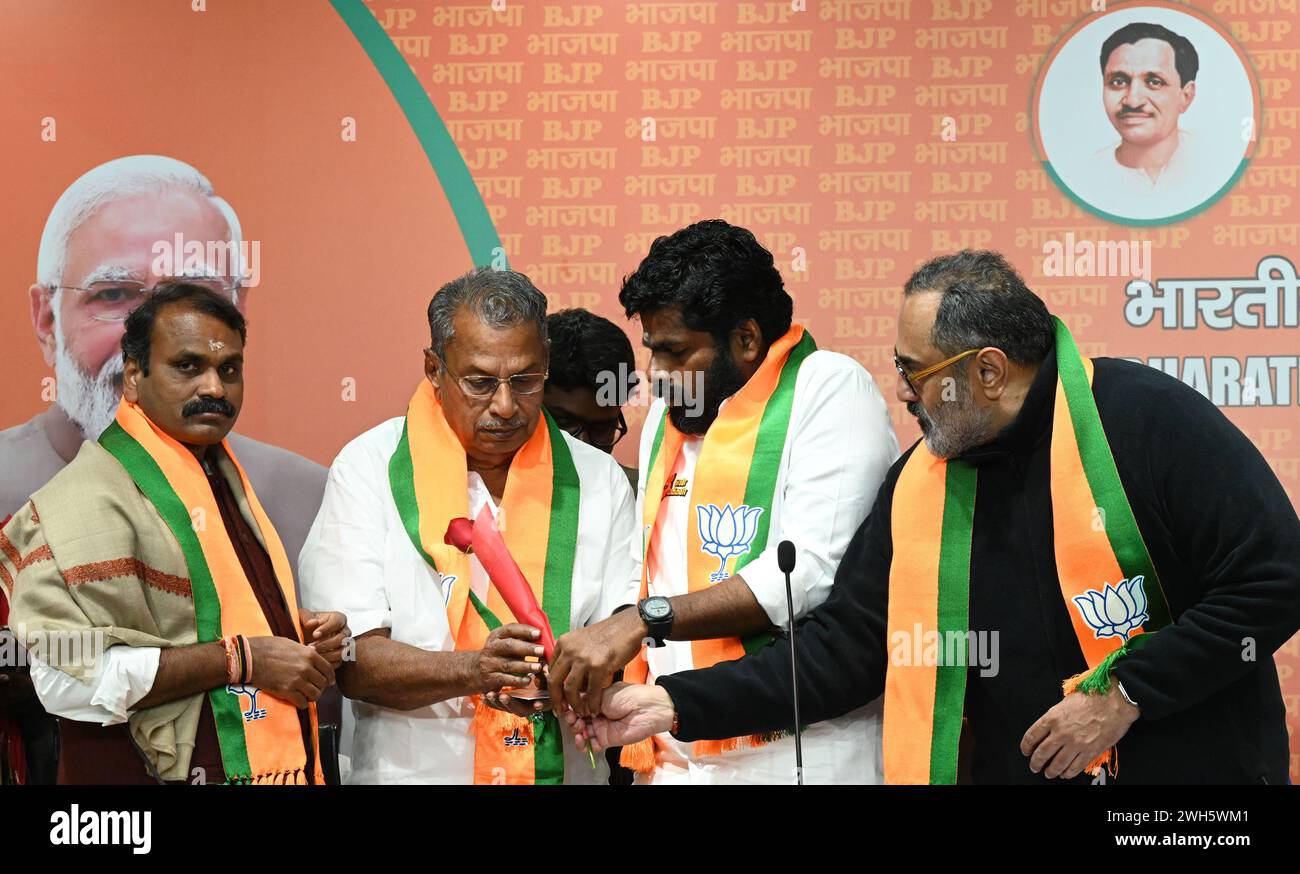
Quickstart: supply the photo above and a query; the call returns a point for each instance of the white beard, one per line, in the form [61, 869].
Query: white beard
[90, 401]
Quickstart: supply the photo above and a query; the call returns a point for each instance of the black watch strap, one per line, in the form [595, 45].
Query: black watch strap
[658, 627]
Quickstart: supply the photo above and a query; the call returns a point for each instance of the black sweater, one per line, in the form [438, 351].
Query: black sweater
[1225, 542]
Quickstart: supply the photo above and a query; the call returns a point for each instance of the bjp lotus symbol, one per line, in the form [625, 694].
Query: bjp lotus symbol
[726, 532]
[1116, 610]
[253, 711]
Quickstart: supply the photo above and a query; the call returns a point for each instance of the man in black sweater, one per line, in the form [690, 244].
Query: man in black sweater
[1199, 703]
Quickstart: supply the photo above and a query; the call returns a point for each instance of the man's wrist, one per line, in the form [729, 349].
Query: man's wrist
[1136, 710]
[465, 672]
[670, 717]
[637, 630]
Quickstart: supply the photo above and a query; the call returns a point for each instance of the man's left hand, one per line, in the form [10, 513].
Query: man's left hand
[1067, 738]
[327, 633]
[586, 660]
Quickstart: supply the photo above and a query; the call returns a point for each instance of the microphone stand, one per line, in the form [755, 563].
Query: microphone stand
[785, 559]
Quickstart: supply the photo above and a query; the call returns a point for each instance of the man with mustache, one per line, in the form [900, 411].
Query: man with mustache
[96, 262]
[1081, 521]
[152, 553]
[436, 643]
[758, 437]
[1148, 82]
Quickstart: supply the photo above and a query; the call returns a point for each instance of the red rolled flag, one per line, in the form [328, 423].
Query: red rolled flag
[482, 538]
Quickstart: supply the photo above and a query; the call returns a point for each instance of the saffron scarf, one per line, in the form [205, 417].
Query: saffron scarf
[735, 484]
[1108, 583]
[538, 517]
[264, 743]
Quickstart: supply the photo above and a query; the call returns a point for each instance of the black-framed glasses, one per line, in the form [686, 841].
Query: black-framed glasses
[602, 435]
[482, 387]
[915, 379]
[112, 300]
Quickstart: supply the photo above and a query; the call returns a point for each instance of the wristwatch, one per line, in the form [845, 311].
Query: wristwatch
[657, 614]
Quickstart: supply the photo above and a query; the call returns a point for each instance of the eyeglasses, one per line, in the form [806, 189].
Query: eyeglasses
[915, 379]
[602, 435]
[482, 387]
[113, 300]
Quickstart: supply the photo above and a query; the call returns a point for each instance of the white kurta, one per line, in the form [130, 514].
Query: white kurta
[838, 448]
[359, 560]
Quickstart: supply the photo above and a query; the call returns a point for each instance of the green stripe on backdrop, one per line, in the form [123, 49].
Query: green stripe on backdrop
[1103, 479]
[457, 183]
[207, 605]
[952, 619]
[765, 465]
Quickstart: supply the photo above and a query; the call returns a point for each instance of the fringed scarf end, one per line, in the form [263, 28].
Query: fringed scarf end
[639, 757]
[492, 721]
[1097, 681]
[292, 777]
[731, 744]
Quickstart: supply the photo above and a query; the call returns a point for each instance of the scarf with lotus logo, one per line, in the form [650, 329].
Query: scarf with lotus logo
[1107, 580]
[735, 482]
[263, 744]
[539, 523]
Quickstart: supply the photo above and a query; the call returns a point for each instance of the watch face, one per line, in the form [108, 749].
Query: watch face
[657, 608]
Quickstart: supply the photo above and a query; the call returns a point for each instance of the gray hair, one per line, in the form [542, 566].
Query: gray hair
[500, 299]
[985, 303]
[116, 180]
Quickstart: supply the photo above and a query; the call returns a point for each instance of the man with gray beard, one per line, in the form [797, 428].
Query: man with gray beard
[96, 263]
[1129, 547]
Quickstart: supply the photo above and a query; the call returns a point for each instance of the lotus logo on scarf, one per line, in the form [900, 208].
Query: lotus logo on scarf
[1115, 610]
[726, 532]
[253, 711]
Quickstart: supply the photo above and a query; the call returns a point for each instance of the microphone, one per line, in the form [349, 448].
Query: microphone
[785, 561]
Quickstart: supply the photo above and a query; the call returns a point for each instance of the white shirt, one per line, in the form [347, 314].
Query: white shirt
[123, 675]
[1132, 192]
[838, 448]
[359, 560]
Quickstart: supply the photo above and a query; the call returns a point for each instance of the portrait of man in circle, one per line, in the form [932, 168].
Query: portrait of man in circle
[1148, 76]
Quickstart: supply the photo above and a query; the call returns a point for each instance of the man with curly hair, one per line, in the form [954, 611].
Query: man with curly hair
[757, 437]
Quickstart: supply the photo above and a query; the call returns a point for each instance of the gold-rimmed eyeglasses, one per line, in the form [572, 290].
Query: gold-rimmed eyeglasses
[915, 379]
